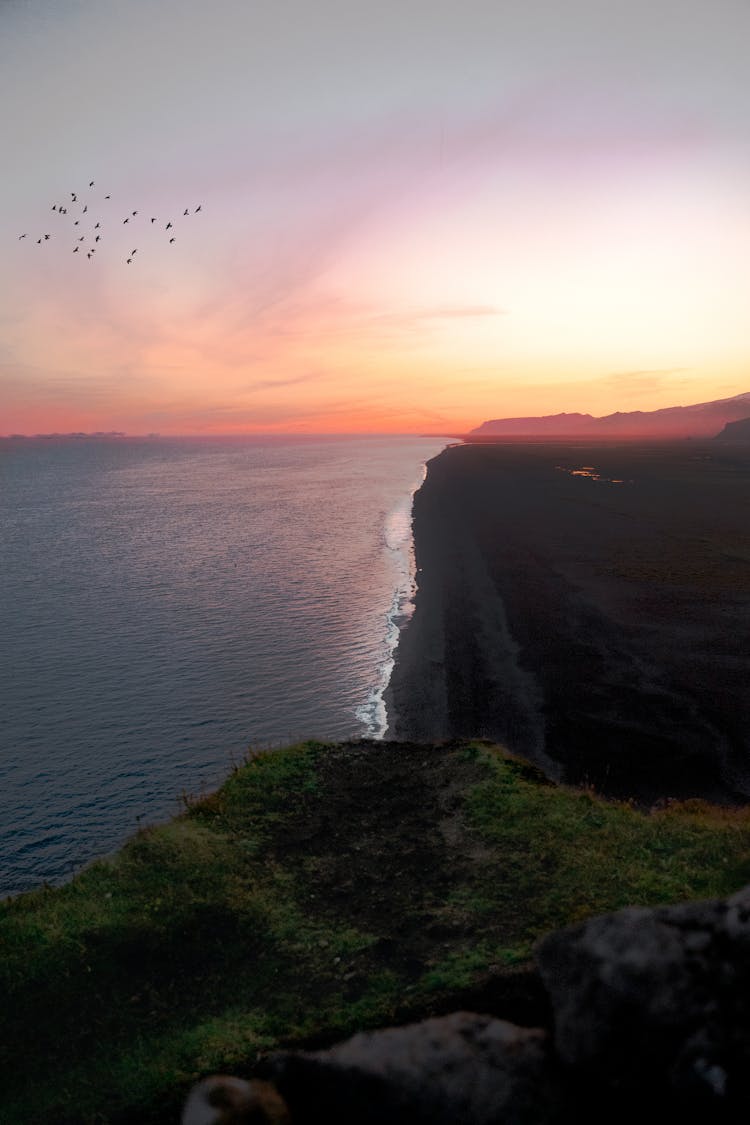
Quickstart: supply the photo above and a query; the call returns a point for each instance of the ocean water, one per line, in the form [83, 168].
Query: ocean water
[164, 604]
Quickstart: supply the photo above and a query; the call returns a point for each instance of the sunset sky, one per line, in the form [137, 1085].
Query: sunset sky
[415, 215]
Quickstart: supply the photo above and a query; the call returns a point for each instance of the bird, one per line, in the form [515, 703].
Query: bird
[54, 206]
[76, 249]
[153, 220]
[134, 212]
[186, 212]
[85, 210]
[97, 225]
[132, 252]
[171, 240]
[38, 241]
[82, 238]
[75, 224]
[91, 183]
[107, 196]
[46, 237]
[198, 208]
[97, 238]
[88, 255]
[74, 197]
[167, 226]
[22, 236]
[129, 260]
[222, 1100]
[126, 220]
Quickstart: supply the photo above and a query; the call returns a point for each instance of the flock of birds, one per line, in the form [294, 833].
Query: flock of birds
[87, 242]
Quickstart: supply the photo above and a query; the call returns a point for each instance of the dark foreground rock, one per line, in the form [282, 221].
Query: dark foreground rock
[457, 1068]
[651, 1013]
[657, 1001]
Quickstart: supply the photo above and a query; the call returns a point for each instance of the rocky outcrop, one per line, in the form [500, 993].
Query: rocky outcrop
[735, 431]
[651, 1013]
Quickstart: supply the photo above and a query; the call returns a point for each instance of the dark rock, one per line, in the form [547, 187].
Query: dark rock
[461, 1069]
[655, 1005]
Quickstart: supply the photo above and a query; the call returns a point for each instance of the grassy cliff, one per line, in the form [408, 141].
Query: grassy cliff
[322, 889]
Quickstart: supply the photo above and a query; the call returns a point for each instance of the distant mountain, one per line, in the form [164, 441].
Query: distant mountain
[735, 431]
[704, 419]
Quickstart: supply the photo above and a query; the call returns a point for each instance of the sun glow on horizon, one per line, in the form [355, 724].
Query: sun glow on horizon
[547, 238]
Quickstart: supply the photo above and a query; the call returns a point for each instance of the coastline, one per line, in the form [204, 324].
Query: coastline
[596, 628]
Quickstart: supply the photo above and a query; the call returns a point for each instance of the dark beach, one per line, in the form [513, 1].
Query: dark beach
[600, 629]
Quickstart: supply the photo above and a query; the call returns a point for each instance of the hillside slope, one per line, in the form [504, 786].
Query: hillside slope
[323, 889]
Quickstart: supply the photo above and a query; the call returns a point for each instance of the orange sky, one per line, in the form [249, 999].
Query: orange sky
[518, 221]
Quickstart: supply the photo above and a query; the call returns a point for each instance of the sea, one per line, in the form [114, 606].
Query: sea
[167, 605]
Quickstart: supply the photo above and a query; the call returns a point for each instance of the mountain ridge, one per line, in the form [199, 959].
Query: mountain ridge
[702, 419]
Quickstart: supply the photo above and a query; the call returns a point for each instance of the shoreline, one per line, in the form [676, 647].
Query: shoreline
[592, 626]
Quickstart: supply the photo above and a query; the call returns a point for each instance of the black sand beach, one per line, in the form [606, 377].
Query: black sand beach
[601, 629]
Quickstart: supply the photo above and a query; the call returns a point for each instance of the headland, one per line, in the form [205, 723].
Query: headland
[587, 605]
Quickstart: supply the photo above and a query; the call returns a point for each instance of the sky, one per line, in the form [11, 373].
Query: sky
[415, 215]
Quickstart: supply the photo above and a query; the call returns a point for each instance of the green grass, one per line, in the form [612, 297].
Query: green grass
[224, 933]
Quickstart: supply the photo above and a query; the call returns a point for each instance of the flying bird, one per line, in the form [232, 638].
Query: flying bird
[46, 237]
[171, 240]
[126, 220]
[38, 241]
[97, 238]
[197, 209]
[76, 249]
[84, 210]
[186, 212]
[107, 196]
[129, 260]
[134, 212]
[132, 252]
[22, 236]
[82, 238]
[75, 224]
[88, 255]
[167, 226]
[91, 183]
[74, 197]
[54, 206]
[153, 220]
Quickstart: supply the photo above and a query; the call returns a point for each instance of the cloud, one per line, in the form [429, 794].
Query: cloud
[642, 381]
[417, 317]
[271, 384]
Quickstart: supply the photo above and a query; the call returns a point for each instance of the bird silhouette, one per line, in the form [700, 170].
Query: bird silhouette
[186, 212]
[198, 208]
[46, 237]
[171, 240]
[74, 197]
[76, 249]
[83, 236]
[38, 241]
[134, 212]
[167, 226]
[129, 260]
[22, 236]
[84, 210]
[88, 255]
[54, 206]
[126, 220]
[91, 183]
[153, 220]
[97, 225]
[132, 252]
[97, 238]
[75, 224]
[107, 196]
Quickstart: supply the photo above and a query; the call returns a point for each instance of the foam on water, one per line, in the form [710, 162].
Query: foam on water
[399, 542]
